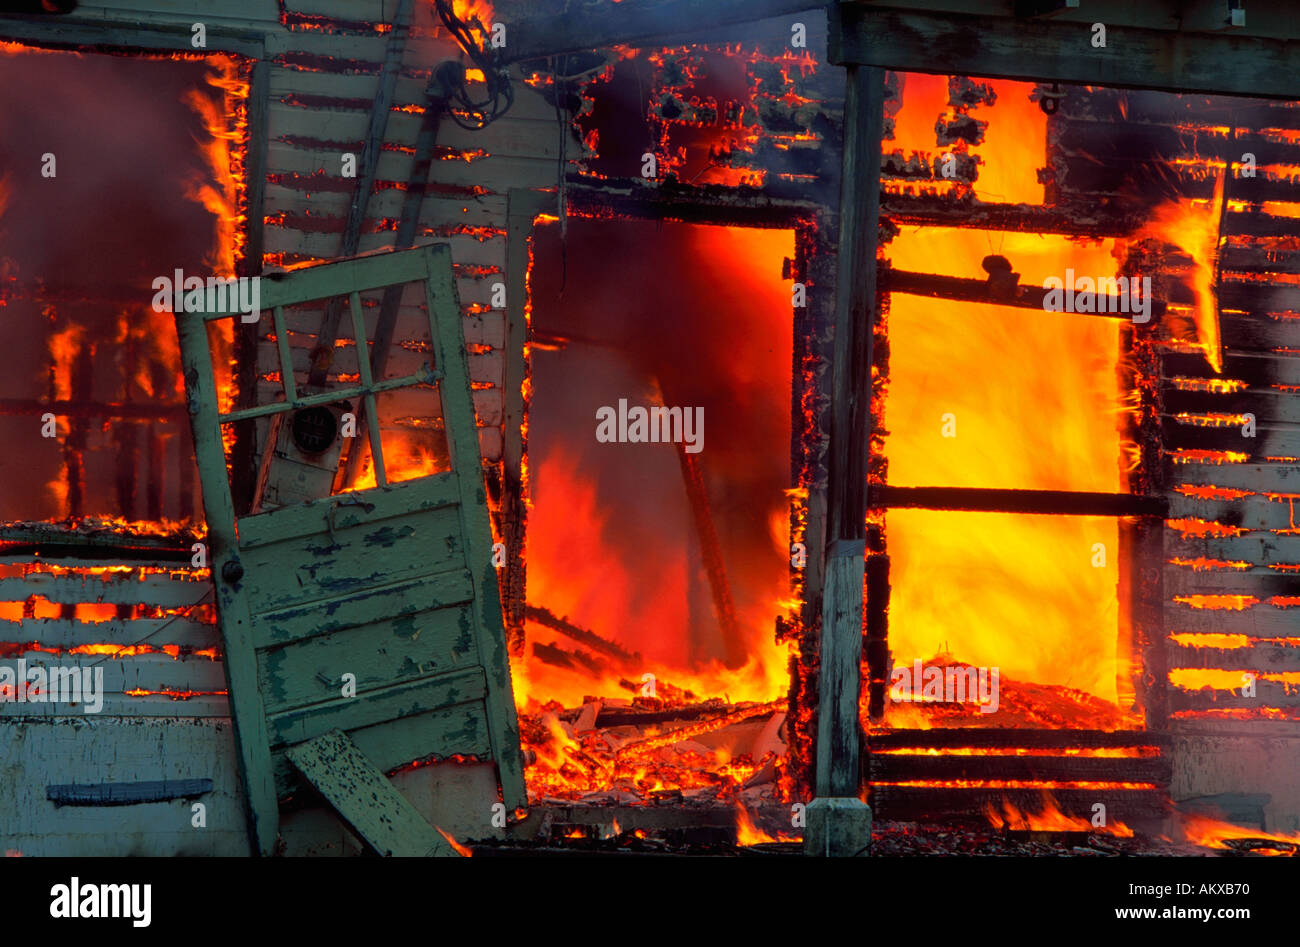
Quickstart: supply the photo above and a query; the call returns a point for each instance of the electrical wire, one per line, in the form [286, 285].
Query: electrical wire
[500, 93]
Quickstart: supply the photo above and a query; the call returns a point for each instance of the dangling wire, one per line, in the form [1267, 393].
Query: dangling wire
[500, 93]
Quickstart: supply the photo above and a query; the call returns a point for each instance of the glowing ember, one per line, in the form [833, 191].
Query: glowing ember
[1233, 603]
[1221, 679]
[1211, 640]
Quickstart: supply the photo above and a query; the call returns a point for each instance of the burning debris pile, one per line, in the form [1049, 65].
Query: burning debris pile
[653, 750]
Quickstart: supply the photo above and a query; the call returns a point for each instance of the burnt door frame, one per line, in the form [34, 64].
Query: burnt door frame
[814, 256]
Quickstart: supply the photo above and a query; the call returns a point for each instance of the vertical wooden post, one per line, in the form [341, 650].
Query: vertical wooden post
[838, 823]
[876, 641]
[838, 749]
[522, 208]
[243, 458]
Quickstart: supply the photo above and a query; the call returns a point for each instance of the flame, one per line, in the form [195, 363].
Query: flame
[467, 10]
[1213, 833]
[639, 599]
[1048, 819]
[746, 832]
[1193, 226]
[460, 849]
[1013, 150]
[221, 191]
[1036, 404]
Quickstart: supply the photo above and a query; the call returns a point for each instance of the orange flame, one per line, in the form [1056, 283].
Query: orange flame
[1193, 226]
[1049, 819]
[746, 832]
[460, 849]
[1213, 833]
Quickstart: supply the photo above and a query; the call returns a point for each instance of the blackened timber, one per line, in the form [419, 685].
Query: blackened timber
[55, 541]
[1020, 296]
[876, 641]
[243, 455]
[1042, 502]
[632, 716]
[570, 660]
[684, 203]
[706, 532]
[900, 767]
[840, 677]
[523, 206]
[1057, 50]
[96, 409]
[583, 25]
[942, 737]
[544, 616]
[1085, 220]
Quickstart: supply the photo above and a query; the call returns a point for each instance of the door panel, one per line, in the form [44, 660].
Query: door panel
[373, 611]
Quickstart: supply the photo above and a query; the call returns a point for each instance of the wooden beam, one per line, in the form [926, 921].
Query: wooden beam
[925, 210]
[840, 683]
[523, 206]
[1059, 50]
[724, 607]
[943, 737]
[76, 32]
[96, 409]
[1041, 502]
[544, 616]
[243, 460]
[583, 25]
[1018, 295]
[876, 642]
[366, 800]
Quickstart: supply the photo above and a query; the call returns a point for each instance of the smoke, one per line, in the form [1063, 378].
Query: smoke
[97, 151]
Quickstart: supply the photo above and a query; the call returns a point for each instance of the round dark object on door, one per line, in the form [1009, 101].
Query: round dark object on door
[314, 429]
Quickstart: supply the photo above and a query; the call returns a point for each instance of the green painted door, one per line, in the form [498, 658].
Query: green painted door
[371, 611]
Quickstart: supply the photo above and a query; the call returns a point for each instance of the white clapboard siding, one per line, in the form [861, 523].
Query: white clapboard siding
[63, 750]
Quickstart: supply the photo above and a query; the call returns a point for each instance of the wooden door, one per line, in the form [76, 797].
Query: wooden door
[370, 612]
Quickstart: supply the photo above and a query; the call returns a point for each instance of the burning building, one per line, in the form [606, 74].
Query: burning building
[602, 427]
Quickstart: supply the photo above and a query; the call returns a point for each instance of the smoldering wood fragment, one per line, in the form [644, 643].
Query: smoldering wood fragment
[544, 616]
[624, 716]
[570, 660]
